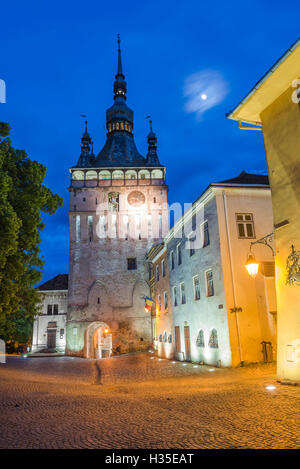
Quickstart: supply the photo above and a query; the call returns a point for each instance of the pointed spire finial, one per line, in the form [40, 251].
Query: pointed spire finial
[120, 71]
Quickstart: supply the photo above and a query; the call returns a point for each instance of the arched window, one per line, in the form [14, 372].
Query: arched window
[160, 338]
[213, 339]
[170, 338]
[165, 337]
[113, 201]
[200, 339]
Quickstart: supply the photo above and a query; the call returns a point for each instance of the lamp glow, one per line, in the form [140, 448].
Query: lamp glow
[252, 265]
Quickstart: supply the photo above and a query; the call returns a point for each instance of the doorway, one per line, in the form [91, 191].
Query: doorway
[51, 339]
[187, 343]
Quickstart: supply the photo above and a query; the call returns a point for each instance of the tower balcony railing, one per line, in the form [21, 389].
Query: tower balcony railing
[105, 178]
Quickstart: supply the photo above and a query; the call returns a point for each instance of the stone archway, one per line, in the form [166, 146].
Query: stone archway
[97, 341]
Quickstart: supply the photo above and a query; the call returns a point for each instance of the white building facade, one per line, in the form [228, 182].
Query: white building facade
[221, 315]
[49, 327]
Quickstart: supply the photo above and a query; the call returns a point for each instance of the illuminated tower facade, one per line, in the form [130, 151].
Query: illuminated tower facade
[118, 209]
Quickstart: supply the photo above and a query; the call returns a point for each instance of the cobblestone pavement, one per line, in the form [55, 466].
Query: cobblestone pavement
[143, 402]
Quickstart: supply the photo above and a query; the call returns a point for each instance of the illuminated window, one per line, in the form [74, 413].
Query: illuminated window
[200, 339]
[245, 225]
[196, 284]
[62, 333]
[78, 228]
[90, 227]
[213, 339]
[209, 283]
[160, 224]
[149, 224]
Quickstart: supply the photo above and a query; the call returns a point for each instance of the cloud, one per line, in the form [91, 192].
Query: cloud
[204, 90]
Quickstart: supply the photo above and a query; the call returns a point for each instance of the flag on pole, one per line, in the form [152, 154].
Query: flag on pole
[148, 303]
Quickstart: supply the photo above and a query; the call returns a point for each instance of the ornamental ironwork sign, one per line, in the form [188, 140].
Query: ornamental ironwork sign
[293, 267]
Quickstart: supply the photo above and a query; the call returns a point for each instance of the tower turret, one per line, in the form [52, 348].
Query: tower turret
[152, 158]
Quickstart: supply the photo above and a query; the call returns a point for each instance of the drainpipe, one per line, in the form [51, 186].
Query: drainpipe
[232, 276]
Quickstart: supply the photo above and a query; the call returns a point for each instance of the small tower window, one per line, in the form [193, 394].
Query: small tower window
[131, 263]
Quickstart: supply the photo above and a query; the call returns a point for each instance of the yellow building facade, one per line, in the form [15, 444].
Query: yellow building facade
[273, 106]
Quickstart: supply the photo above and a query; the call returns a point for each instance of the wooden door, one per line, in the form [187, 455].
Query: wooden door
[177, 339]
[51, 339]
[187, 343]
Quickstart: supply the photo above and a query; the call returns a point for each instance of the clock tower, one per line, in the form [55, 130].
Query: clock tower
[118, 209]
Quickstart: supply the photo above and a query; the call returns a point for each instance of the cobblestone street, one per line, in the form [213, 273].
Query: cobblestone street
[143, 402]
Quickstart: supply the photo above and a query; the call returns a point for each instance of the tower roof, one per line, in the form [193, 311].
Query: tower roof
[119, 149]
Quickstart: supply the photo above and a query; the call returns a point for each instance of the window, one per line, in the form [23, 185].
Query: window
[179, 258]
[142, 176]
[172, 261]
[90, 227]
[191, 241]
[165, 300]
[49, 310]
[149, 224]
[205, 233]
[62, 333]
[150, 271]
[131, 263]
[175, 296]
[213, 339]
[245, 225]
[160, 224]
[157, 272]
[160, 337]
[77, 227]
[163, 268]
[170, 338]
[159, 302]
[55, 309]
[126, 226]
[200, 339]
[182, 294]
[165, 337]
[154, 200]
[209, 283]
[113, 201]
[196, 283]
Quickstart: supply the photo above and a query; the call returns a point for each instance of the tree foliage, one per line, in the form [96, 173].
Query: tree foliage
[23, 198]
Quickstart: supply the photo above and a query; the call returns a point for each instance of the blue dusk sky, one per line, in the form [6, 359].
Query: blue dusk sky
[59, 58]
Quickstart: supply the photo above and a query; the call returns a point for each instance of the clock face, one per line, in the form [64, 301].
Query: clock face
[136, 198]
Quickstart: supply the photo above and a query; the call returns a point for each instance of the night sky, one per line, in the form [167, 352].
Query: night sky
[59, 59]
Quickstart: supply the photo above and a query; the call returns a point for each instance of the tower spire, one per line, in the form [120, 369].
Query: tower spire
[86, 142]
[120, 71]
[152, 158]
[120, 83]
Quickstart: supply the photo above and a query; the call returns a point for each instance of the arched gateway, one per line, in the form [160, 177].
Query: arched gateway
[97, 340]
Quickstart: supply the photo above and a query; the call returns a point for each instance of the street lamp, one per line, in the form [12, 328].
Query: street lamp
[252, 264]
